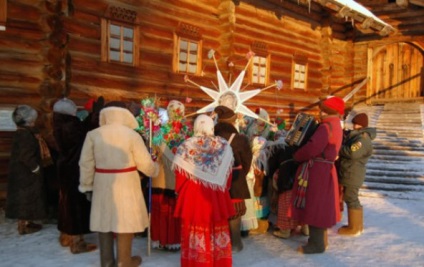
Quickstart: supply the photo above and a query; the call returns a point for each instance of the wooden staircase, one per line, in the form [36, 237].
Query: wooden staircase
[396, 168]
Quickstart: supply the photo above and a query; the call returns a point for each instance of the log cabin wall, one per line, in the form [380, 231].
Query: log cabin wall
[56, 49]
[31, 69]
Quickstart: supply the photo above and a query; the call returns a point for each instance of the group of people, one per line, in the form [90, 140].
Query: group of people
[213, 181]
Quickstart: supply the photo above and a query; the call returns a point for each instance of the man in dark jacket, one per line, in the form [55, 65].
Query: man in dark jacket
[354, 154]
[242, 161]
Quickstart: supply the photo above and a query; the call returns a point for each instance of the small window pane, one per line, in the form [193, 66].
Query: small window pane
[192, 68]
[115, 30]
[193, 58]
[114, 43]
[193, 47]
[182, 66]
[113, 55]
[183, 56]
[128, 58]
[183, 45]
[128, 46]
[128, 33]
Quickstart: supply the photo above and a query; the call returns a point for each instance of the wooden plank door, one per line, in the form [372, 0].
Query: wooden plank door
[396, 73]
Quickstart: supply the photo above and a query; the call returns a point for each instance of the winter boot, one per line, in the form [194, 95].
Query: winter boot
[107, 254]
[124, 251]
[282, 233]
[263, 225]
[27, 227]
[355, 223]
[305, 230]
[65, 240]
[80, 246]
[316, 241]
[235, 231]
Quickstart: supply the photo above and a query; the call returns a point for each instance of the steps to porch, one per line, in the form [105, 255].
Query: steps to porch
[396, 168]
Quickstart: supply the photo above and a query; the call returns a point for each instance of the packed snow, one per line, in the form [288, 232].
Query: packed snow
[393, 236]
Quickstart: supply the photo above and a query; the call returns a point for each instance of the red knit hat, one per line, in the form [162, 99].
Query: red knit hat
[361, 119]
[333, 105]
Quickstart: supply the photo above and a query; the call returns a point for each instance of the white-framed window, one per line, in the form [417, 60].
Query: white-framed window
[299, 76]
[259, 70]
[120, 38]
[259, 67]
[187, 50]
[299, 72]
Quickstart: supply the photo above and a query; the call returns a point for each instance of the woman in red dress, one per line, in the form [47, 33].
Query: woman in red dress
[203, 165]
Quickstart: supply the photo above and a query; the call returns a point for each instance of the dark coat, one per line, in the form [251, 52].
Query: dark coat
[354, 154]
[25, 189]
[74, 208]
[322, 196]
[242, 156]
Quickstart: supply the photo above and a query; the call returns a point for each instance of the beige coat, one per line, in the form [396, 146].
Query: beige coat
[117, 203]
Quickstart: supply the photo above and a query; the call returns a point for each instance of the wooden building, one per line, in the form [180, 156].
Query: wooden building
[129, 50]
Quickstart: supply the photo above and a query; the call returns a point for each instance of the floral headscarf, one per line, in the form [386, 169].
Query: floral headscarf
[205, 158]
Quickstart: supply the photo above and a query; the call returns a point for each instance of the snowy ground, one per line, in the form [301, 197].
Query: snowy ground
[394, 236]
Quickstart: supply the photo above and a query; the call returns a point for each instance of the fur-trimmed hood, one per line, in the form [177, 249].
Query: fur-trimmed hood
[117, 115]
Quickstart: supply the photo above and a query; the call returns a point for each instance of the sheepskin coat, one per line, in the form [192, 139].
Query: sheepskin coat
[117, 202]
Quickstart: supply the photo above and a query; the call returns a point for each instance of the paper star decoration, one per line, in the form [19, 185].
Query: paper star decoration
[230, 96]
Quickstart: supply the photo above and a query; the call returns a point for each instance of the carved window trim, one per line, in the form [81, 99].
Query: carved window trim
[3, 14]
[260, 64]
[187, 50]
[120, 36]
[299, 72]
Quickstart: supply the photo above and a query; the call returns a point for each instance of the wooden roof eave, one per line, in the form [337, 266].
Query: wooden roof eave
[366, 21]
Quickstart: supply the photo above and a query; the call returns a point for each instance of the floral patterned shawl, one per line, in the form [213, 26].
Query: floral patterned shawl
[205, 159]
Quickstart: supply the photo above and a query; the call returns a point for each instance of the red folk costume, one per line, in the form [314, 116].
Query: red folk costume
[203, 165]
[165, 228]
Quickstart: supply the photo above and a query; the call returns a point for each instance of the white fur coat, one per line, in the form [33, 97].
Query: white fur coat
[117, 203]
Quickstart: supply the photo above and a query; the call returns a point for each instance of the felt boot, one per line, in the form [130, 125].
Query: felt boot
[80, 246]
[235, 231]
[107, 254]
[305, 230]
[263, 225]
[124, 251]
[282, 233]
[28, 227]
[355, 223]
[316, 241]
[65, 240]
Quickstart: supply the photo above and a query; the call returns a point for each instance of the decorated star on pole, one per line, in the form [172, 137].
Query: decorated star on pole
[230, 96]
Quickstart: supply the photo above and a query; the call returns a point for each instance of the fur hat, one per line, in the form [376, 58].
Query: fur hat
[333, 105]
[225, 114]
[24, 115]
[361, 119]
[65, 106]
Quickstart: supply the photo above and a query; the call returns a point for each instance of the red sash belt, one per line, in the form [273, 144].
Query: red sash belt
[129, 169]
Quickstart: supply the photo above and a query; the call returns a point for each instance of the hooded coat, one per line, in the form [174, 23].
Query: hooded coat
[242, 156]
[26, 194]
[322, 195]
[354, 154]
[117, 202]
